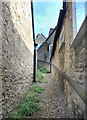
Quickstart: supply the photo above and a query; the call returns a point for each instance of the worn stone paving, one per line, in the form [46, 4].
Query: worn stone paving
[51, 103]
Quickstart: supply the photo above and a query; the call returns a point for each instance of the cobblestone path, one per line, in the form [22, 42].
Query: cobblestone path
[51, 102]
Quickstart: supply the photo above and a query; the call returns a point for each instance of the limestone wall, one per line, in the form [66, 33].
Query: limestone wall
[72, 61]
[17, 52]
[0, 63]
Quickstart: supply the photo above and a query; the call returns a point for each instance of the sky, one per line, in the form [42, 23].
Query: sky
[45, 16]
[80, 14]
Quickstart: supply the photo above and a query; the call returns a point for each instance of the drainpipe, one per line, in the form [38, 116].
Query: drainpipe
[34, 68]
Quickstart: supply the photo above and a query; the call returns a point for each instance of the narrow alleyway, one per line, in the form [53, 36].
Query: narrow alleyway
[51, 102]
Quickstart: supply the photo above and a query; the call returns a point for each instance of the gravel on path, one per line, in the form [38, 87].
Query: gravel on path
[51, 103]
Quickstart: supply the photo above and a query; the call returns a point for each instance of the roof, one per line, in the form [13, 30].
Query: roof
[58, 29]
[47, 38]
[40, 35]
[40, 39]
[43, 35]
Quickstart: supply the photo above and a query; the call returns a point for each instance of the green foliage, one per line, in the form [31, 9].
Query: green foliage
[28, 108]
[36, 88]
[43, 70]
[29, 104]
[15, 115]
[39, 76]
[32, 96]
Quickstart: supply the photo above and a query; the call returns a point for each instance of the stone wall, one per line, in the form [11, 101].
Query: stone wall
[43, 55]
[0, 63]
[43, 64]
[71, 60]
[17, 53]
[43, 52]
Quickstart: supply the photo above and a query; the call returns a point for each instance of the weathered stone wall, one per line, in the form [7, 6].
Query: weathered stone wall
[43, 64]
[43, 55]
[0, 63]
[43, 52]
[17, 52]
[72, 62]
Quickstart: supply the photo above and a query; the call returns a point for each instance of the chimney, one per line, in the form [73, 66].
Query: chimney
[37, 35]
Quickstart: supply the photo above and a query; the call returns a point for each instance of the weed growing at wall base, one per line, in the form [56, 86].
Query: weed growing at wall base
[39, 76]
[43, 70]
[36, 88]
[30, 104]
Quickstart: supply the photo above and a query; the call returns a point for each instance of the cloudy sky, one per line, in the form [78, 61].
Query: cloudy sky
[46, 16]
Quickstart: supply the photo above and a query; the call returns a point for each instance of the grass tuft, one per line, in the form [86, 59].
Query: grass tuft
[39, 76]
[30, 104]
[36, 88]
